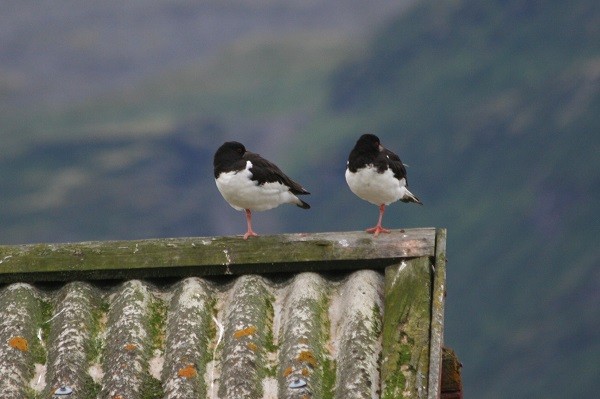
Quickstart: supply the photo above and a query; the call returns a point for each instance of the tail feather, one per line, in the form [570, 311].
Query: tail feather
[302, 204]
[410, 197]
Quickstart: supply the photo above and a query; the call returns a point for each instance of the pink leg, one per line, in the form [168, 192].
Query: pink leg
[249, 222]
[379, 228]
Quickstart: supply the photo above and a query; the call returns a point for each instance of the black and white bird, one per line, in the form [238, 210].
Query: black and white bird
[378, 176]
[249, 182]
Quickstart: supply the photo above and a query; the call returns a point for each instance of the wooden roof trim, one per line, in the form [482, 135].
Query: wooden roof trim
[204, 256]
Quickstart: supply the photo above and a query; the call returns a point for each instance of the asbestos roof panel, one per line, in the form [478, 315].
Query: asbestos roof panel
[250, 337]
[288, 335]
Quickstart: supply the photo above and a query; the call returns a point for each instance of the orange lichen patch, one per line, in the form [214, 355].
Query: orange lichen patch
[305, 372]
[117, 397]
[244, 332]
[287, 371]
[19, 343]
[252, 346]
[188, 371]
[130, 347]
[308, 357]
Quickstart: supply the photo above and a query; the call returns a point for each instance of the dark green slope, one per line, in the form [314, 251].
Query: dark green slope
[496, 104]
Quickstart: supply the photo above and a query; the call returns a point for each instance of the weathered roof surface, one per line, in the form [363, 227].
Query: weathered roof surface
[349, 328]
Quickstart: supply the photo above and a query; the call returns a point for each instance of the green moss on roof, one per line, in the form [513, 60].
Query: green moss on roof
[154, 258]
[319, 327]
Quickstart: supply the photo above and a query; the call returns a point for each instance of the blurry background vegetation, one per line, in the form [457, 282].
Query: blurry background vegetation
[110, 113]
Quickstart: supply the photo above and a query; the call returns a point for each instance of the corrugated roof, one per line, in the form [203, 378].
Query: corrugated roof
[331, 334]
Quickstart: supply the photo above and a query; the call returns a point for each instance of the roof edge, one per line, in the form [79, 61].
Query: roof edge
[205, 256]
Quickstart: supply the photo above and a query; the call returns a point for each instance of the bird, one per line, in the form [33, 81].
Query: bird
[377, 175]
[248, 182]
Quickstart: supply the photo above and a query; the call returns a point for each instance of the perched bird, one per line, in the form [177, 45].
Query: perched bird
[251, 183]
[378, 176]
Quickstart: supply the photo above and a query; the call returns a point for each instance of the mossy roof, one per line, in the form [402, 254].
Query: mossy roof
[331, 315]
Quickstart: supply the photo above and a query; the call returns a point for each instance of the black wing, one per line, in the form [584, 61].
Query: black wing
[387, 158]
[264, 171]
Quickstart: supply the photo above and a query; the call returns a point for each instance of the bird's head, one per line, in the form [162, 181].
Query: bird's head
[228, 153]
[233, 147]
[368, 143]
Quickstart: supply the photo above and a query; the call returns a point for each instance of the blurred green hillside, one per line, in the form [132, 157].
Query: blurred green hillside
[494, 105]
[497, 104]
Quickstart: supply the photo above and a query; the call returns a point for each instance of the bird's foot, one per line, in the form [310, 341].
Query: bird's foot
[250, 233]
[376, 230]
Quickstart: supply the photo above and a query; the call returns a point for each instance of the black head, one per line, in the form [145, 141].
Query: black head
[227, 154]
[230, 150]
[368, 143]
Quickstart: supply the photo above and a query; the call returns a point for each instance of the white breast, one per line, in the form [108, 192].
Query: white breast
[241, 192]
[376, 188]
